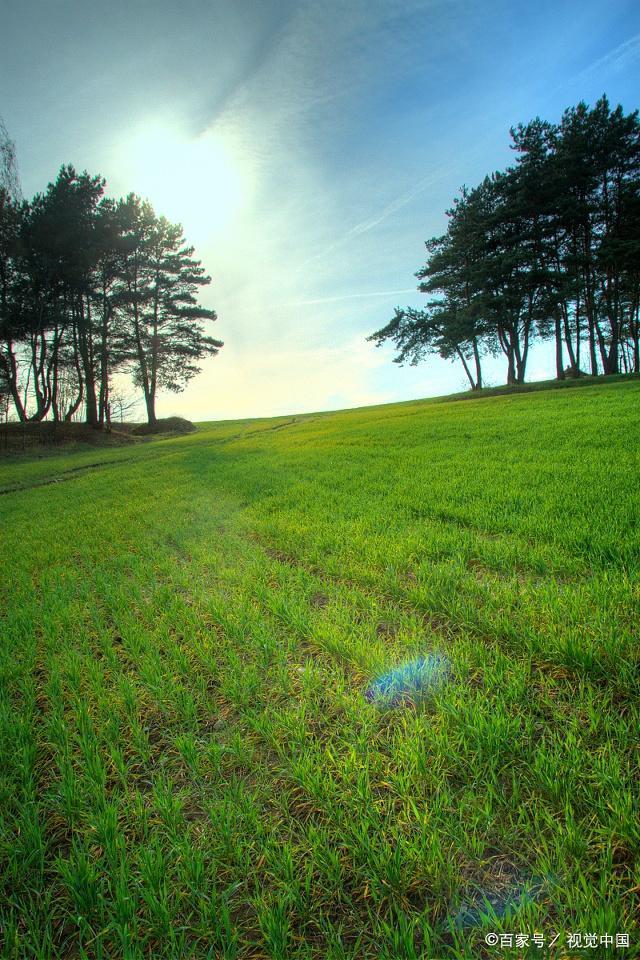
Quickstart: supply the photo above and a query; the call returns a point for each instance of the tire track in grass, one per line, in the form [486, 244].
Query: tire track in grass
[249, 728]
[322, 606]
[235, 713]
[71, 474]
[155, 776]
[23, 841]
[281, 757]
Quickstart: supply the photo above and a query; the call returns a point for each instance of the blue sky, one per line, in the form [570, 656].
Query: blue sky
[309, 150]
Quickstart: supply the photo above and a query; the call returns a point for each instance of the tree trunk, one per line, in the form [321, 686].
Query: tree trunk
[9, 367]
[612, 360]
[592, 349]
[103, 414]
[52, 373]
[40, 385]
[151, 410]
[578, 340]
[76, 359]
[589, 304]
[68, 417]
[506, 345]
[476, 357]
[85, 345]
[568, 340]
[149, 394]
[602, 347]
[625, 362]
[559, 356]
[522, 355]
[150, 402]
[635, 333]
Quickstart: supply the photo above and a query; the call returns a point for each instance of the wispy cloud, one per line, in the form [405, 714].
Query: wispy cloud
[347, 296]
[615, 61]
[387, 211]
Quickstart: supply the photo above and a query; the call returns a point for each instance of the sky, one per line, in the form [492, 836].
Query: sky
[309, 149]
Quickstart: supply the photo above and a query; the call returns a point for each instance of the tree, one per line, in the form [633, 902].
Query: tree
[11, 215]
[549, 248]
[9, 175]
[59, 254]
[88, 287]
[417, 333]
[13, 327]
[452, 323]
[165, 337]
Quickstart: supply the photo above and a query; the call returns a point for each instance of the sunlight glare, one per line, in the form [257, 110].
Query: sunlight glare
[197, 182]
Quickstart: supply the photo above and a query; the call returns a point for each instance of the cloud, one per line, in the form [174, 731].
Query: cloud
[348, 296]
[392, 207]
[615, 61]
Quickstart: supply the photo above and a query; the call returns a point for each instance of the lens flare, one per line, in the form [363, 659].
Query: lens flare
[496, 902]
[412, 681]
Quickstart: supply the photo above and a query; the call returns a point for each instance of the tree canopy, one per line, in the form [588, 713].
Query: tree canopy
[548, 249]
[91, 287]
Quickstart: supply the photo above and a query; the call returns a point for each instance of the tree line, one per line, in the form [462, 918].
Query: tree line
[91, 287]
[548, 249]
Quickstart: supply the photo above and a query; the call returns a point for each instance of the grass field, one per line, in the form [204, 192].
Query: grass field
[204, 749]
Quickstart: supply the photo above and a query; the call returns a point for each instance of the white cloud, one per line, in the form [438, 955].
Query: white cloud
[349, 296]
[616, 60]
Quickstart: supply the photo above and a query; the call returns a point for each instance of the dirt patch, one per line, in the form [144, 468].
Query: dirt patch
[319, 600]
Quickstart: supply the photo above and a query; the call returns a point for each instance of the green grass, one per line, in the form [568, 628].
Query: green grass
[189, 765]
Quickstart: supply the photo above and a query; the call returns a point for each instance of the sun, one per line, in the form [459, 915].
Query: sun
[199, 182]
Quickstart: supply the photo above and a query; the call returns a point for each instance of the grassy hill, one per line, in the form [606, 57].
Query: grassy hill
[350, 685]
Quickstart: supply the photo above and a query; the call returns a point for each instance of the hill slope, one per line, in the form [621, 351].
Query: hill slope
[347, 685]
